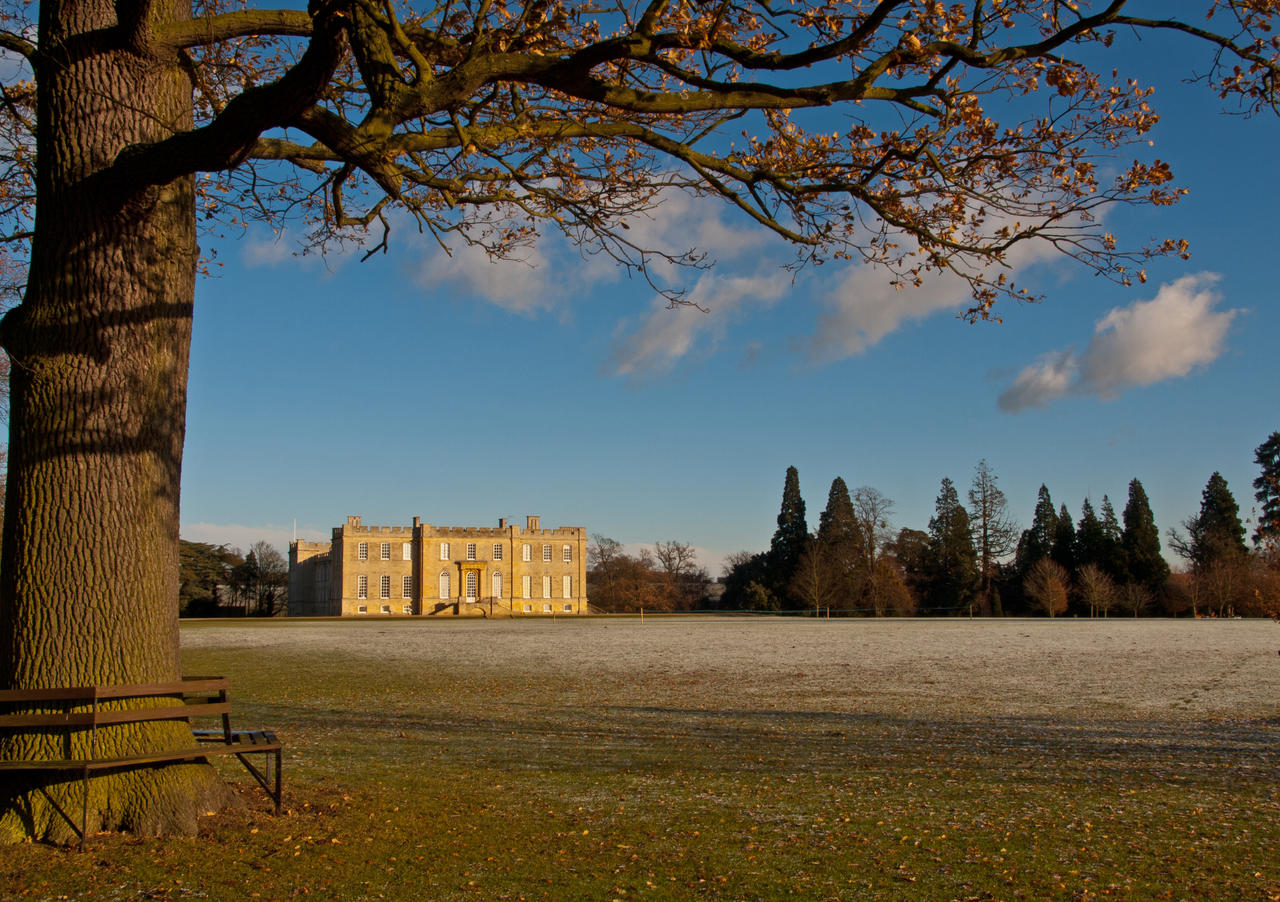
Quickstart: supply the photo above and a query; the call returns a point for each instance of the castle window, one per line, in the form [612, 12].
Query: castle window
[362, 586]
[497, 552]
[406, 550]
[546, 609]
[497, 584]
[362, 551]
[444, 551]
[444, 584]
[528, 609]
[568, 609]
[566, 553]
[408, 609]
[526, 553]
[471, 551]
[362, 609]
[566, 587]
[384, 588]
[406, 587]
[526, 588]
[546, 553]
[386, 551]
[546, 586]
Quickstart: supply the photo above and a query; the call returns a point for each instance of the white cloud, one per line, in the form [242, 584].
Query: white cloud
[236, 535]
[1144, 343]
[261, 249]
[543, 275]
[665, 336]
[519, 284]
[865, 307]
[680, 221]
[261, 246]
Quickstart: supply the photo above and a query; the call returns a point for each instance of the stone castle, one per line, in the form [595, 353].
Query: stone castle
[440, 570]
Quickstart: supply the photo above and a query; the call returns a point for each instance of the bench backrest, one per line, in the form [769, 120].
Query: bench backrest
[22, 709]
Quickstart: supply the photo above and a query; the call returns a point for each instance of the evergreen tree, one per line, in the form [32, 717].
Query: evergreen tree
[1216, 534]
[1090, 539]
[837, 524]
[952, 563]
[202, 569]
[1064, 541]
[994, 531]
[1113, 561]
[791, 537]
[1037, 540]
[1267, 491]
[1141, 542]
[910, 550]
[746, 583]
[839, 544]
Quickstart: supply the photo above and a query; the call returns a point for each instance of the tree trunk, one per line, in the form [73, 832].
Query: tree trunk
[89, 574]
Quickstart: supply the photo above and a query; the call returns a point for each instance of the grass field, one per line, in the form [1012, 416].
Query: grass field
[735, 759]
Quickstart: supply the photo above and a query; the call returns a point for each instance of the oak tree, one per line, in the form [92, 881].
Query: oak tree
[683, 580]
[872, 510]
[963, 131]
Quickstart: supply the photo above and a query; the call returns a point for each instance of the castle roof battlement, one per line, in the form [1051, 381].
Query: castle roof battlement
[496, 531]
[304, 545]
[356, 529]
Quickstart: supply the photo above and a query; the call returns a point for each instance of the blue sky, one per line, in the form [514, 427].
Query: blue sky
[462, 391]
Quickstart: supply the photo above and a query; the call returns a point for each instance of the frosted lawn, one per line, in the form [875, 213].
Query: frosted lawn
[1071, 668]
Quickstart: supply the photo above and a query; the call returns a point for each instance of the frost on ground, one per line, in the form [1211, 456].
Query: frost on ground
[1075, 669]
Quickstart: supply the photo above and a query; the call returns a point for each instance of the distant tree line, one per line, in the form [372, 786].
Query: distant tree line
[974, 559]
[666, 578]
[217, 581]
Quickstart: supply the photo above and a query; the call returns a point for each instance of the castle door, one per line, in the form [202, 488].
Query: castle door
[473, 586]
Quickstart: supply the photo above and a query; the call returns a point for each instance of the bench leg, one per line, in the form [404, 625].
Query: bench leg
[271, 784]
[278, 793]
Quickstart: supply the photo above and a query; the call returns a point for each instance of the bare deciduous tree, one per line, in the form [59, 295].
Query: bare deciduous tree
[1097, 590]
[872, 510]
[1046, 583]
[684, 579]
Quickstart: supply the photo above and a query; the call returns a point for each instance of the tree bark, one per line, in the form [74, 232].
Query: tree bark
[100, 344]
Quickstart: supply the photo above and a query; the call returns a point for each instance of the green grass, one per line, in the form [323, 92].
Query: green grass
[481, 783]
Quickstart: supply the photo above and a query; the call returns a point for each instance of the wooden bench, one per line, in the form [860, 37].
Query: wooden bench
[82, 708]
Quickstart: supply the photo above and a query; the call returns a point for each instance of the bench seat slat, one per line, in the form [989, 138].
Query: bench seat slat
[90, 693]
[193, 697]
[199, 708]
